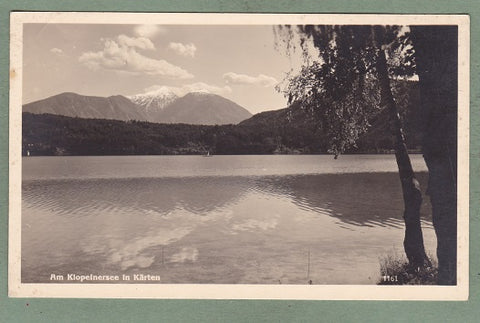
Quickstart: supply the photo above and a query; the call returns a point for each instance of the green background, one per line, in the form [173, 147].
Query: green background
[100, 310]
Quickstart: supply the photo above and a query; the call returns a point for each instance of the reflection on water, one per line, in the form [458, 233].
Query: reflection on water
[289, 229]
[359, 199]
[198, 195]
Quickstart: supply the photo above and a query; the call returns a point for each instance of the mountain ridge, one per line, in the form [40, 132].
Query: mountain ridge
[158, 106]
[70, 104]
[204, 108]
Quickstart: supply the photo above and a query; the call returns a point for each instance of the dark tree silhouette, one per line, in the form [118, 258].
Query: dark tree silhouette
[436, 56]
[351, 81]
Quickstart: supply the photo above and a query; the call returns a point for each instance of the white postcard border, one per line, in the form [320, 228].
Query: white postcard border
[241, 291]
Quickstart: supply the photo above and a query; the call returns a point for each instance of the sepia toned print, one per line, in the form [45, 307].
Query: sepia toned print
[239, 156]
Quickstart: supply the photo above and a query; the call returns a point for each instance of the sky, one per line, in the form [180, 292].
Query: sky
[239, 62]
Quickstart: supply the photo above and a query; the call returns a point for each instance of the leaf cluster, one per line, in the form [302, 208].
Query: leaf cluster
[340, 87]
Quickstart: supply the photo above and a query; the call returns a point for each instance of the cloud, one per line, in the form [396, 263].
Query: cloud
[121, 55]
[243, 79]
[148, 31]
[193, 87]
[187, 50]
[56, 51]
[140, 42]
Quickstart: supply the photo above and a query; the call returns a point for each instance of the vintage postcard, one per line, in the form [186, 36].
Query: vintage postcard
[239, 156]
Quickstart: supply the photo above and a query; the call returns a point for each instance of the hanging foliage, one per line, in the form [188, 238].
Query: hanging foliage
[338, 83]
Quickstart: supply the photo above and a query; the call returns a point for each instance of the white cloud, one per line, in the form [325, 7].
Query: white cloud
[121, 55]
[148, 31]
[243, 79]
[183, 49]
[140, 42]
[56, 51]
[193, 87]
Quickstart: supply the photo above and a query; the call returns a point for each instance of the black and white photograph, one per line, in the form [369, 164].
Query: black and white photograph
[239, 156]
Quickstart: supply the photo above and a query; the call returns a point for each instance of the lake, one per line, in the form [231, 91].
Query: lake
[281, 219]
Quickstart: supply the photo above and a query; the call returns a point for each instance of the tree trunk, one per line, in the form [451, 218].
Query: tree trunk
[436, 57]
[412, 196]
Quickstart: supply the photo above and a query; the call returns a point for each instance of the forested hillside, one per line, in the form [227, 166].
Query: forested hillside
[57, 135]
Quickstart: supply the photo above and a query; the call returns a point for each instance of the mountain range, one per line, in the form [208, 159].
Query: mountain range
[88, 107]
[160, 106]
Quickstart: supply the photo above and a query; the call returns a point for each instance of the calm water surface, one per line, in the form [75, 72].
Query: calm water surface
[224, 219]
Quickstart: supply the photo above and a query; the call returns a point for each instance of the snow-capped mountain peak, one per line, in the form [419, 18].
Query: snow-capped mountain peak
[200, 93]
[155, 100]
